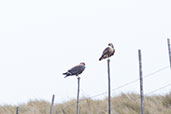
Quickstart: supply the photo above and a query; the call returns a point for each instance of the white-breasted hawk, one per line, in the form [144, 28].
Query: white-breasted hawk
[108, 52]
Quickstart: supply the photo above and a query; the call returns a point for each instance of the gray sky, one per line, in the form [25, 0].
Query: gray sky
[41, 39]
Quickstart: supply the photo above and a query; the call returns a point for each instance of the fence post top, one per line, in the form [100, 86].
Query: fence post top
[78, 77]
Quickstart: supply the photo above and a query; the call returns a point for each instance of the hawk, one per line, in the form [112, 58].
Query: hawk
[76, 70]
[108, 52]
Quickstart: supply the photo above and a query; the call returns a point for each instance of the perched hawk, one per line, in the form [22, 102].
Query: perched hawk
[76, 70]
[108, 52]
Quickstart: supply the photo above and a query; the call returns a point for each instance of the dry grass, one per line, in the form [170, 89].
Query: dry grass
[123, 104]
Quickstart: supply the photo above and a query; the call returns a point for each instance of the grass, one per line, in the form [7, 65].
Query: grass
[122, 104]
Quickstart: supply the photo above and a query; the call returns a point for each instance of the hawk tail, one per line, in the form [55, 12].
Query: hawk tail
[100, 58]
[66, 74]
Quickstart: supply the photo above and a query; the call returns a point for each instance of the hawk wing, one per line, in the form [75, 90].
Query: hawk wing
[77, 70]
[105, 53]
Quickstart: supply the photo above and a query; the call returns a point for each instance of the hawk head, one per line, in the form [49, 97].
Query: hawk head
[111, 45]
[82, 63]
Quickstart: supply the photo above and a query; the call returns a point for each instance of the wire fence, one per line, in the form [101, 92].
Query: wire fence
[125, 85]
[117, 88]
[133, 99]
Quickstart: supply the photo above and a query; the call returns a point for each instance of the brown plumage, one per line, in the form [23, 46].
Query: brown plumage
[108, 52]
[76, 70]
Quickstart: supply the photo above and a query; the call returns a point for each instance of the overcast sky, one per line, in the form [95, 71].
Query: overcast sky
[41, 39]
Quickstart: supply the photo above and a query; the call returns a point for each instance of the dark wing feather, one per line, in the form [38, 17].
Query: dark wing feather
[104, 54]
[106, 51]
[76, 70]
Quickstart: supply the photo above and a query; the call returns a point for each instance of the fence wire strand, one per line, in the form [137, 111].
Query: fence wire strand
[131, 82]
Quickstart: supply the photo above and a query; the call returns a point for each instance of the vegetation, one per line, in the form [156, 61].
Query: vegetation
[123, 104]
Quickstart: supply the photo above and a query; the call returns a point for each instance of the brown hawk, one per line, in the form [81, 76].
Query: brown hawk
[108, 52]
[76, 70]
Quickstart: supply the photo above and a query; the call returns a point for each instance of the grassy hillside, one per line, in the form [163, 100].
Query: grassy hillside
[123, 104]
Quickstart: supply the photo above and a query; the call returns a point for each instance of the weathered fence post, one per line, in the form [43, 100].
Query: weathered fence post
[78, 92]
[141, 82]
[168, 42]
[109, 94]
[17, 110]
[52, 103]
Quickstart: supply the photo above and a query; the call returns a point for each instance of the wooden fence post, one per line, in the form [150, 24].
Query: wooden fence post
[168, 42]
[17, 110]
[52, 103]
[141, 82]
[109, 93]
[78, 92]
